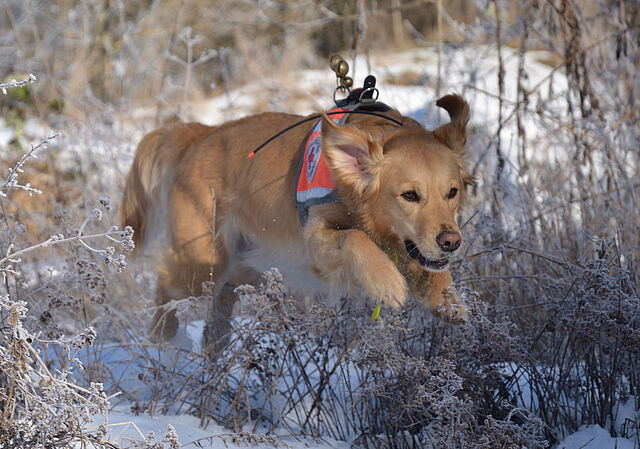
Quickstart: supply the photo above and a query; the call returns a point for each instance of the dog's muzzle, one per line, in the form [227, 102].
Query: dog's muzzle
[433, 265]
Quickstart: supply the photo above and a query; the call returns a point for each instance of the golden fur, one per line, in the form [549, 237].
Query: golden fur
[347, 247]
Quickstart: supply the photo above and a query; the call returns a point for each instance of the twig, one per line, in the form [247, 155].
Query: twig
[7, 405]
[500, 166]
[568, 60]
[625, 117]
[54, 241]
[11, 181]
[13, 83]
[164, 70]
[439, 49]
[326, 379]
[213, 233]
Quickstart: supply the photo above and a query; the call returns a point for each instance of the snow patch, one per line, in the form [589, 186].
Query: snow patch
[124, 426]
[595, 437]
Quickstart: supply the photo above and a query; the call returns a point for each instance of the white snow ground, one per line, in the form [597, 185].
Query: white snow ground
[125, 427]
[595, 437]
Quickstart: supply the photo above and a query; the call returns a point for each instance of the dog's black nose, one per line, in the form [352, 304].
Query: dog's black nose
[449, 240]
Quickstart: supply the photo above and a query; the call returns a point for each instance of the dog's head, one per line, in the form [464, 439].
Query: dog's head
[408, 183]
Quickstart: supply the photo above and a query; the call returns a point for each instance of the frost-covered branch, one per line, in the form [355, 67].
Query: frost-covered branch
[11, 182]
[124, 238]
[56, 239]
[13, 83]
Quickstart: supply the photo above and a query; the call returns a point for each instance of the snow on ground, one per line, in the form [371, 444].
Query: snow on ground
[595, 437]
[123, 427]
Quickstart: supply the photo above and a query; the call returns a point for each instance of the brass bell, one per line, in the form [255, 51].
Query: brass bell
[347, 81]
[334, 61]
[339, 65]
[342, 69]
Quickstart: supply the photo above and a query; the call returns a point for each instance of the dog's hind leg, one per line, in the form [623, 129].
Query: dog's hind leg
[179, 278]
[190, 260]
[164, 323]
[221, 303]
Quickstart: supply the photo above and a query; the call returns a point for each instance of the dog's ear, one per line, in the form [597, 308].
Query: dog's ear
[351, 155]
[454, 133]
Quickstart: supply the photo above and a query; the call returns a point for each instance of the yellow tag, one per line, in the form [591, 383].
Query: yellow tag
[395, 258]
[376, 313]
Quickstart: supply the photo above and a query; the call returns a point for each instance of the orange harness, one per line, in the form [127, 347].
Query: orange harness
[315, 184]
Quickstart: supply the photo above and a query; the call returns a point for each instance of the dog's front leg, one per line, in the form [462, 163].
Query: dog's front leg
[437, 292]
[349, 258]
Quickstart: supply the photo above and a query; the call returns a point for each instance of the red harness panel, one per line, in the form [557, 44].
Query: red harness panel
[315, 184]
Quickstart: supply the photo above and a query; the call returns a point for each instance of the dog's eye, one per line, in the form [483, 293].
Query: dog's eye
[411, 195]
[452, 193]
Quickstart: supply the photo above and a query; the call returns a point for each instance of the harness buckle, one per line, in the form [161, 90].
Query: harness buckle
[368, 95]
[369, 90]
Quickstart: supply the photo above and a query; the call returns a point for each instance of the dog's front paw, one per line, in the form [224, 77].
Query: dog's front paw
[448, 306]
[384, 284]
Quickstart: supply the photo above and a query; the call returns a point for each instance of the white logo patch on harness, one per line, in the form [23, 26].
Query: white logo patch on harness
[313, 156]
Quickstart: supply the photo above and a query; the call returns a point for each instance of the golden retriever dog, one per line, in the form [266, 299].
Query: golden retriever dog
[390, 231]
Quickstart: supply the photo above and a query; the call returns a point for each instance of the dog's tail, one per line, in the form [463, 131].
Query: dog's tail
[145, 201]
[142, 197]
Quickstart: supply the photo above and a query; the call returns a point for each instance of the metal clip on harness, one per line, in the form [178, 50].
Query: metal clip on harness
[358, 101]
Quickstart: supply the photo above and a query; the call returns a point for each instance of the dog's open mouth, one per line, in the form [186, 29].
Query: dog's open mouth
[414, 252]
